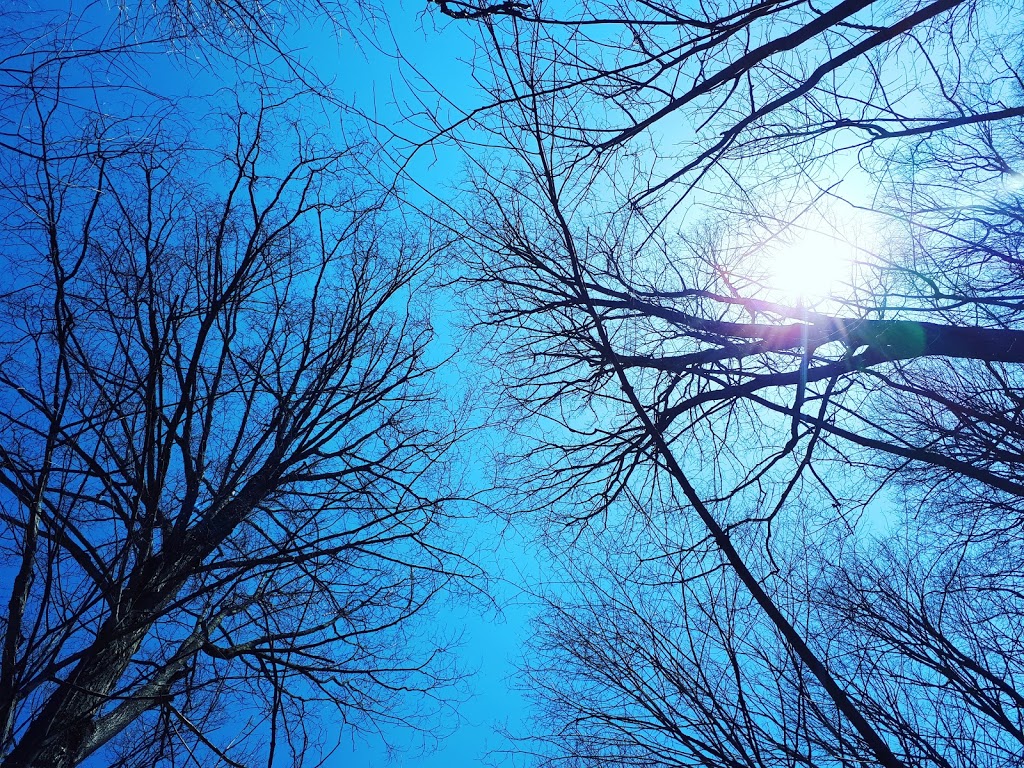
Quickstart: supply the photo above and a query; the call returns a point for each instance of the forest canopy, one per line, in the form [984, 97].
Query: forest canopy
[719, 305]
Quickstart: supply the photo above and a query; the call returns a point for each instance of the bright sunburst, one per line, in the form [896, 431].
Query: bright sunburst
[811, 267]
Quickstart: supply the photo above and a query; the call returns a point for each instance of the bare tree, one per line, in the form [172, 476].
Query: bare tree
[652, 662]
[225, 466]
[625, 262]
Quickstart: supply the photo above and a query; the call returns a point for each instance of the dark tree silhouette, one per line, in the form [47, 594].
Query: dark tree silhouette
[650, 160]
[224, 464]
[637, 666]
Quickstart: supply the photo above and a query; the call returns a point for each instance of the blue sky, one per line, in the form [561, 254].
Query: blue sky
[395, 83]
[384, 89]
[491, 642]
[492, 638]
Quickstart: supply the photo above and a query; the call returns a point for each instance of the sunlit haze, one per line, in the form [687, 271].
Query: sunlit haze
[811, 266]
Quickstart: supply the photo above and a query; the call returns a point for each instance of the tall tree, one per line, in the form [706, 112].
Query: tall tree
[225, 467]
[642, 657]
[630, 263]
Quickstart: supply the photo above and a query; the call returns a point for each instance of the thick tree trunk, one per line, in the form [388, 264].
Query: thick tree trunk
[66, 722]
[885, 339]
[65, 730]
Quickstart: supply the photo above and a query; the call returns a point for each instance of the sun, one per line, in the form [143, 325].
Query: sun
[811, 267]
